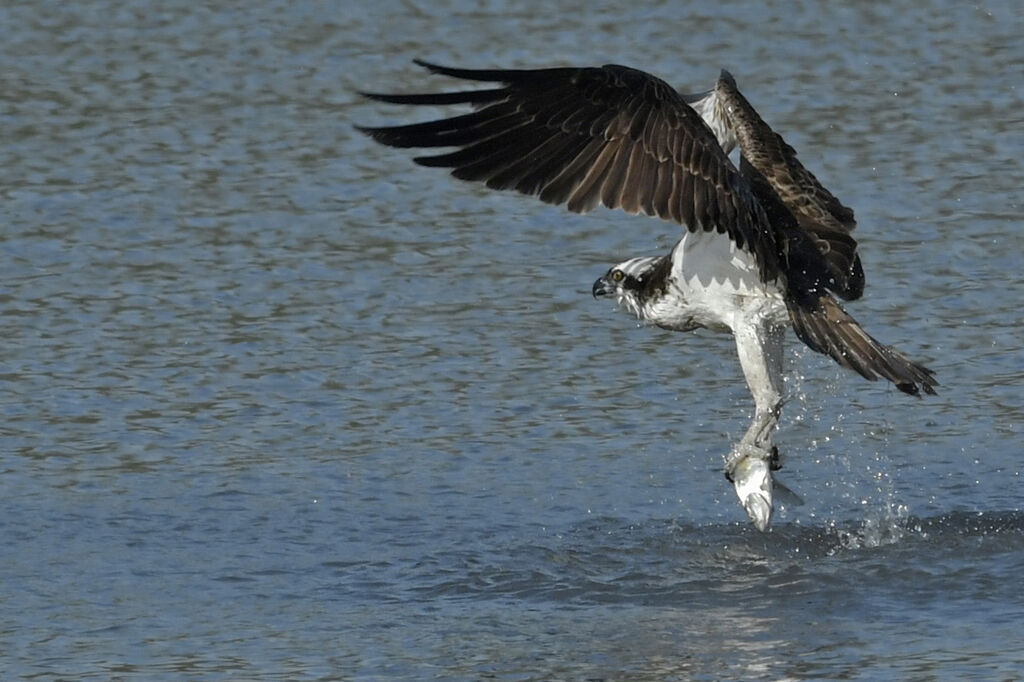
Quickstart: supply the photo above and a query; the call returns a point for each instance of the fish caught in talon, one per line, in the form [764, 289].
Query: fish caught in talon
[752, 479]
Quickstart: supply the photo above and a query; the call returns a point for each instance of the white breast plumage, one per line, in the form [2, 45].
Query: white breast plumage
[713, 284]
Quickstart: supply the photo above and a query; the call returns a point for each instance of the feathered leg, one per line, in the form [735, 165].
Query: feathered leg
[749, 465]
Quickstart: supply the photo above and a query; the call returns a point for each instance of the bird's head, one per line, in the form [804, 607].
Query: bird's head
[630, 282]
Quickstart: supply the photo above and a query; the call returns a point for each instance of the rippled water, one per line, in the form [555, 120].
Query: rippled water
[280, 404]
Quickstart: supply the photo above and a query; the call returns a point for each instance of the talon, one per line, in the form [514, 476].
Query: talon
[730, 463]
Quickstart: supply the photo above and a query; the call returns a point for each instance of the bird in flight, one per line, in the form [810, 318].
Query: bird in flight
[764, 246]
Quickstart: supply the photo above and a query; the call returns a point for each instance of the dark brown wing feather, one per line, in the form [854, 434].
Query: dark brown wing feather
[587, 136]
[817, 317]
[815, 208]
[822, 324]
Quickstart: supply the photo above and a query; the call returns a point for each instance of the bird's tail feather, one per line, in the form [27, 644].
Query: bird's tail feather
[825, 327]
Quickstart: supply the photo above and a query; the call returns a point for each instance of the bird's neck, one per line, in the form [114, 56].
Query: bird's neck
[656, 281]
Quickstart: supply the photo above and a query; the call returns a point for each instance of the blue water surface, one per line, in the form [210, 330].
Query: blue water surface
[280, 404]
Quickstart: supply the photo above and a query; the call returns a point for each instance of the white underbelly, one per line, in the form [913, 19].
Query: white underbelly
[715, 285]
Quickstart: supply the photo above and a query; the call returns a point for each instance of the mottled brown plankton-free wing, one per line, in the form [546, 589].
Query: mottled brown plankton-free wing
[607, 135]
[816, 210]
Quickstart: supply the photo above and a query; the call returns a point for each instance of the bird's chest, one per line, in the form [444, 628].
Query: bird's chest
[685, 307]
[712, 284]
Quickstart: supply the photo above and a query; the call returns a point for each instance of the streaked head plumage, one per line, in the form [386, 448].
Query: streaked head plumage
[628, 282]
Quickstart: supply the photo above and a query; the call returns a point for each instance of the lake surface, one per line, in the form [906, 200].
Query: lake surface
[279, 404]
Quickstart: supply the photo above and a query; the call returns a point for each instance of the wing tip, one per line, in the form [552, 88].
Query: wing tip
[484, 75]
[365, 130]
[826, 328]
[375, 96]
[429, 66]
[926, 381]
[916, 388]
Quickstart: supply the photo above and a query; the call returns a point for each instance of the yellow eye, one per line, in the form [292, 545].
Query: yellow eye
[617, 275]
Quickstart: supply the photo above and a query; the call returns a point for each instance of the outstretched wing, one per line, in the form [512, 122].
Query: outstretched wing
[822, 324]
[610, 135]
[816, 210]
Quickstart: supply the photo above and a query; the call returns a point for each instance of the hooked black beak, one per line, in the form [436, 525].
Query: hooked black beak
[602, 287]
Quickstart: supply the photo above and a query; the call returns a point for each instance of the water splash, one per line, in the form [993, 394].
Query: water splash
[886, 526]
[847, 453]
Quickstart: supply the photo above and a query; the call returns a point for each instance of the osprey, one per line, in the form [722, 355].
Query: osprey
[765, 245]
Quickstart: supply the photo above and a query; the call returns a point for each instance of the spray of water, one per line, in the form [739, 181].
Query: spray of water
[847, 456]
